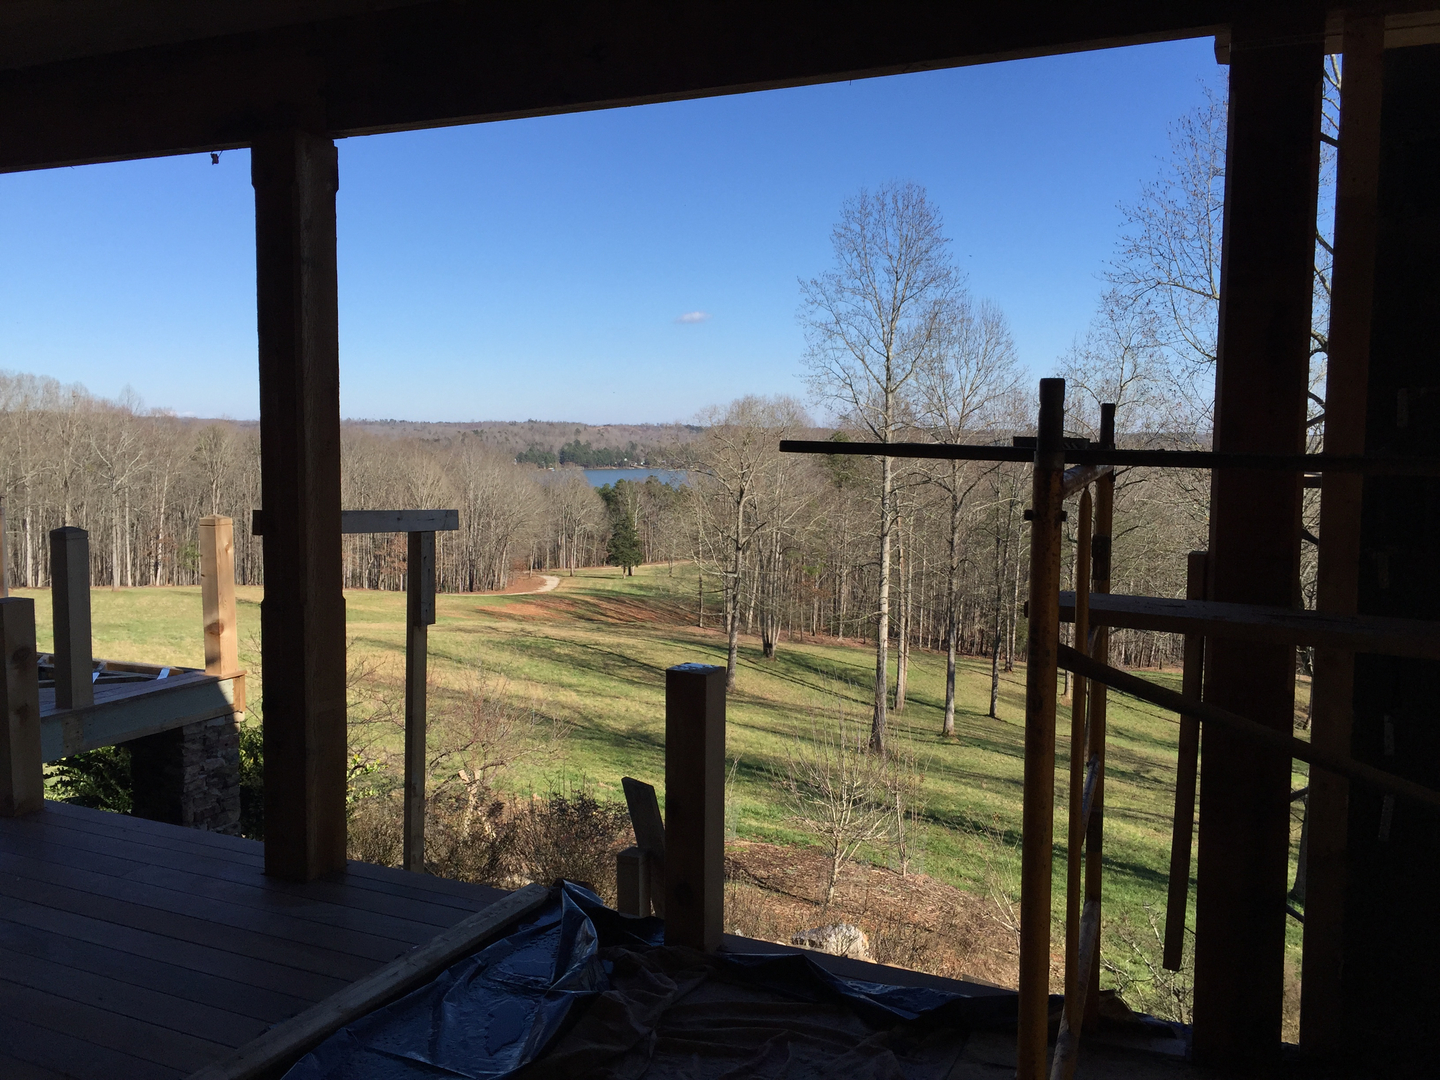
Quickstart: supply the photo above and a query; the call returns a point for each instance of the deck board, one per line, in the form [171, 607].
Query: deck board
[135, 950]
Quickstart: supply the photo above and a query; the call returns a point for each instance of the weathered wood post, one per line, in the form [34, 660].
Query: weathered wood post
[22, 776]
[1102, 535]
[302, 617]
[1187, 767]
[1267, 284]
[217, 597]
[694, 805]
[419, 615]
[70, 603]
[1325, 1025]
[1038, 815]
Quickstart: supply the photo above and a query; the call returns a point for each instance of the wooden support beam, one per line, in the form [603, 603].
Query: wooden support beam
[1075, 980]
[1251, 732]
[1262, 623]
[1182, 829]
[22, 773]
[353, 522]
[1262, 374]
[70, 603]
[271, 1054]
[303, 613]
[1322, 1017]
[694, 806]
[1038, 812]
[1080, 477]
[419, 616]
[1100, 545]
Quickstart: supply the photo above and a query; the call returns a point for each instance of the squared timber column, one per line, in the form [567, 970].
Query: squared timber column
[1267, 263]
[694, 805]
[302, 617]
[1323, 1018]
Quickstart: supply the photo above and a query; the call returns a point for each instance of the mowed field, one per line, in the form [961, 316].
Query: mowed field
[590, 657]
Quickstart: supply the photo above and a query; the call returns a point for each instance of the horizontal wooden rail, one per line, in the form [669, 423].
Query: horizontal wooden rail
[1158, 459]
[130, 710]
[1075, 480]
[286, 1042]
[1212, 714]
[1254, 622]
[355, 522]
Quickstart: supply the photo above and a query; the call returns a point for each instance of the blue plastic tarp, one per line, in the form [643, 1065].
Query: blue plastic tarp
[492, 1013]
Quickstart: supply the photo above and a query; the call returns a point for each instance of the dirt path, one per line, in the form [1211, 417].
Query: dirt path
[548, 583]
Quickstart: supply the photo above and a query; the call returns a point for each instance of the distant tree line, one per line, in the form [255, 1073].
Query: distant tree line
[584, 455]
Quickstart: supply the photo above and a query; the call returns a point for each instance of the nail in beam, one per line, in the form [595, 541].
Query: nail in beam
[694, 805]
[303, 613]
[1038, 825]
[1272, 168]
[70, 603]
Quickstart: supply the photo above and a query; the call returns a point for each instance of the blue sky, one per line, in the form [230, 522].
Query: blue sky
[537, 268]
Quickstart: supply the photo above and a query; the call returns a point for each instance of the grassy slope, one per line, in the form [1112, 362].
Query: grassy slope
[592, 654]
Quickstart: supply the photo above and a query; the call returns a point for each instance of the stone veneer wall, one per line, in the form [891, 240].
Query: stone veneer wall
[189, 776]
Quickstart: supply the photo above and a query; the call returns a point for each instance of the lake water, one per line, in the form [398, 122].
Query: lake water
[601, 477]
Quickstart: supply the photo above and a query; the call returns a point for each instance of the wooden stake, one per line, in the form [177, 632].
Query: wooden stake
[694, 806]
[1038, 814]
[1182, 833]
[70, 602]
[22, 774]
[419, 615]
[1075, 977]
[1322, 1017]
[1095, 749]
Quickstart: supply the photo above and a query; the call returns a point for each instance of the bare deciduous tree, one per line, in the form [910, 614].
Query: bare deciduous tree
[870, 321]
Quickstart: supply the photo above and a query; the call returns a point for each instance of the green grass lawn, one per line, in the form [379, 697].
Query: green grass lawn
[592, 654]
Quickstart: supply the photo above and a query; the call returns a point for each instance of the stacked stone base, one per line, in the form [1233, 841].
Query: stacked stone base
[189, 776]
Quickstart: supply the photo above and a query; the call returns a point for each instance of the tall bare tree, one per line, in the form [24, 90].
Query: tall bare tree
[737, 462]
[969, 380]
[870, 321]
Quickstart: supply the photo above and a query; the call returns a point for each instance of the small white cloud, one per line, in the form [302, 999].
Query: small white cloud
[693, 317]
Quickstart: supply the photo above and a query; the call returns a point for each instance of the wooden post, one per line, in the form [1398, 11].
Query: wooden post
[1100, 543]
[1322, 1018]
[217, 599]
[1038, 825]
[694, 806]
[303, 614]
[22, 776]
[1182, 831]
[1077, 980]
[1262, 372]
[70, 603]
[419, 615]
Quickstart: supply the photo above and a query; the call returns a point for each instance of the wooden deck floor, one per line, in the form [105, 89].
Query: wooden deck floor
[132, 950]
